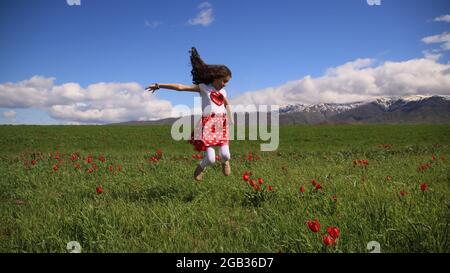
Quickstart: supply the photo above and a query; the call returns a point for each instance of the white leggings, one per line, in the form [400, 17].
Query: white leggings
[209, 157]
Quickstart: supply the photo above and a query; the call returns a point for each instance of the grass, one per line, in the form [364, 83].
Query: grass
[156, 206]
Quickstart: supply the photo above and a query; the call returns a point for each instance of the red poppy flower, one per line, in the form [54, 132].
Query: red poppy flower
[314, 226]
[328, 240]
[423, 186]
[73, 157]
[99, 190]
[252, 183]
[334, 232]
[302, 189]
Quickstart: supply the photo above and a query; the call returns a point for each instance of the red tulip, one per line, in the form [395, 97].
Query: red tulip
[328, 240]
[423, 186]
[102, 158]
[302, 189]
[246, 177]
[318, 186]
[314, 226]
[260, 181]
[334, 232]
[314, 182]
[90, 159]
[270, 188]
[99, 190]
[55, 167]
[250, 157]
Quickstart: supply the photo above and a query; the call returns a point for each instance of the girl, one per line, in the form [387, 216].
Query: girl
[212, 130]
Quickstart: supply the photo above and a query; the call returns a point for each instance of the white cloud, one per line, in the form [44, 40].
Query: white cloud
[204, 5]
[358, 80]
[204, 17]
[11, 115]
[152, 24]
[443, 18]
[97, 103]
[440, 38]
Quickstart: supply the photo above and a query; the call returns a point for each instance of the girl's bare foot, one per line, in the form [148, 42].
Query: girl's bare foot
[198, 174]
[226, 169]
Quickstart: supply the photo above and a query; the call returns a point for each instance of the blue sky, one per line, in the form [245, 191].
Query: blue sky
[265, 43]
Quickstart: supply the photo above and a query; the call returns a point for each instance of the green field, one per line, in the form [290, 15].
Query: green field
[157, 206]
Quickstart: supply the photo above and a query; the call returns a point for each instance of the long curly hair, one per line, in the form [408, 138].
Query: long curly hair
[206, 73]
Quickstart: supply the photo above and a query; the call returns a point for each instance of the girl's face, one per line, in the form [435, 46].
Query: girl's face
[221, 82]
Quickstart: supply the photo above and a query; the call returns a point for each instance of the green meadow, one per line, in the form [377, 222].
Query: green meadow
[382, 183]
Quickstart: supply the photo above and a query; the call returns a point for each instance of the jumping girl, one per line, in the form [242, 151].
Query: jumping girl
[212, 129]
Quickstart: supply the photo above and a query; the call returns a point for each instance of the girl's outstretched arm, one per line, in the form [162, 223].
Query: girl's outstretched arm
[229, 112]
[173, 86]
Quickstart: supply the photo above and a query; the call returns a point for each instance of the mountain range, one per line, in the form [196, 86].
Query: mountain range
[416, 109]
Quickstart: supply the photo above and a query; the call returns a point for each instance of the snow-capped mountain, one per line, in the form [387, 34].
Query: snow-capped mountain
[388, 103]
[408, 109]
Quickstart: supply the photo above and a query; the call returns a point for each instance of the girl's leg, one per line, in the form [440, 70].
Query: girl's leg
[209, 158]
[224, 153]
[225, 156]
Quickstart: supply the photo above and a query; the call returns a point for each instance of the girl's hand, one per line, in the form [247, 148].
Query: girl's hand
[152, 88]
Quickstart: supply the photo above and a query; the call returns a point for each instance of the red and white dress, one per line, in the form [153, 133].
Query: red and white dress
[211, 129]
